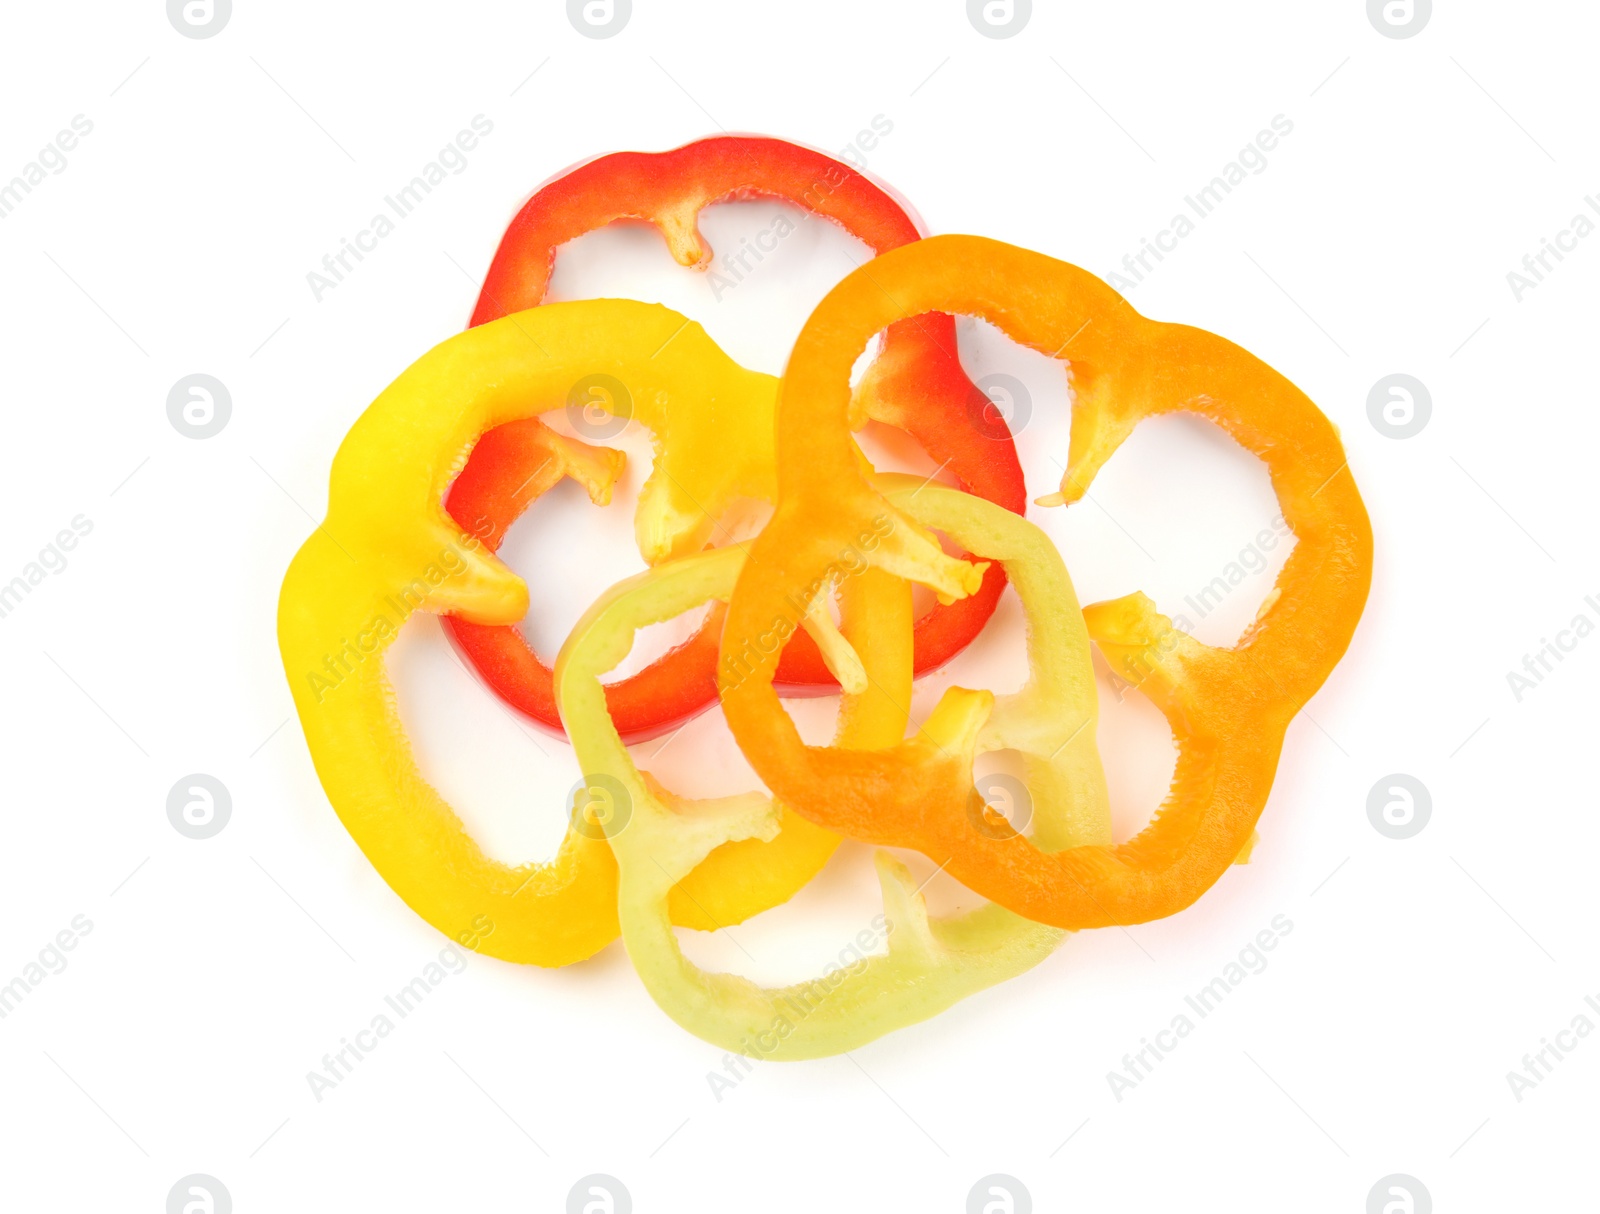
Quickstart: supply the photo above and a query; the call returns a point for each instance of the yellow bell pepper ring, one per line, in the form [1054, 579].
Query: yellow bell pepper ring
[387, 549]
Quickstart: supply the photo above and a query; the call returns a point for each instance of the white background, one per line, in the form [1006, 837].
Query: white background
[1378, 239]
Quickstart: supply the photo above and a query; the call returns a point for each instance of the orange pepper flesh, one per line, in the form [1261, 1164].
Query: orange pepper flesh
[1228, 708]
[930, 962]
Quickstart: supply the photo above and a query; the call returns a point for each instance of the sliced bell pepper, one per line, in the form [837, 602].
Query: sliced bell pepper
[916, 384]
[387, 549]
[1228, 708]
[929, 964]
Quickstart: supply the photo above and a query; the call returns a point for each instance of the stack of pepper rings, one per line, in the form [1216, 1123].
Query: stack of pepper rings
[430, 477]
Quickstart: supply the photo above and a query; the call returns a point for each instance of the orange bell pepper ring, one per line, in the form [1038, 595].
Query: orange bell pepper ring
[1228, 708]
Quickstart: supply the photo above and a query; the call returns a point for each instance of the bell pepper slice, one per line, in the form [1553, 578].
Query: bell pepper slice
[1228, 708]
[929, 964]
[387, 549]
[916, 384]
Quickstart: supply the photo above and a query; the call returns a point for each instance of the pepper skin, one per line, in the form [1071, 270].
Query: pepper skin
[929, 964]
[1228, 708]
[916, 384]
[387, 549]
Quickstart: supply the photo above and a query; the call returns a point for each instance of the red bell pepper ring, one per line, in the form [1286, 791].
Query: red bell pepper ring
[915, 384]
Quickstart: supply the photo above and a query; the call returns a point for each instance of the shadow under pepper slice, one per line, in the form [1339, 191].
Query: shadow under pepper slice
[1228, 708]
[915, 384]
